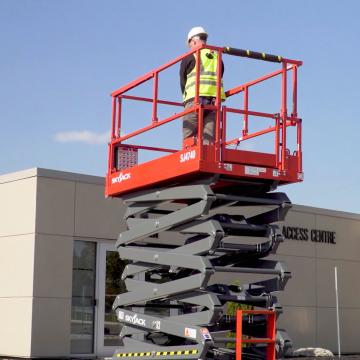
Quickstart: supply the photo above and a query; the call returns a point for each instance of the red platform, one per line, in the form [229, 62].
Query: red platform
[196, 160]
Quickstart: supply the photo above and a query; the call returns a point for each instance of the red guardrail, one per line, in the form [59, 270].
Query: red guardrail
[270, 338]
[281, 120]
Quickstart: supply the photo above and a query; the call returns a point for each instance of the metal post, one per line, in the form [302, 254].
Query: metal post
[246, 109]
[113, 117]
[283, 115]
[200, 135]
[299, 144]
[155, 99]
[294, 104]
[277, 141]
[218, 107]
[238, 343]
[337, 312]
[223, 133]
[118, 125]
[197, 77]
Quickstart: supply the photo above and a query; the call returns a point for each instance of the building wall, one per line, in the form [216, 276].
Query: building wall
[17, 238]
[44, 211]
[55, 224]
[309, 298]
[68, 208]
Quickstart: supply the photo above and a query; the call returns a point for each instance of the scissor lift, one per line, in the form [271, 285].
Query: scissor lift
[197, 212]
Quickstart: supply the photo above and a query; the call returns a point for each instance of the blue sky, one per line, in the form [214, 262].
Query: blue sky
[61, 59]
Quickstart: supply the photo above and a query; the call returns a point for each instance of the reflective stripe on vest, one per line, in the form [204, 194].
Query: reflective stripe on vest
[208, 67]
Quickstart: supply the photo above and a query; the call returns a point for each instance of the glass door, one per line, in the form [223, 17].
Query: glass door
[83, 297]
[109, 285]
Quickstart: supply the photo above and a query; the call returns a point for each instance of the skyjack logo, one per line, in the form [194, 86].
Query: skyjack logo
[120, 178]
[131, 319]
[135, 320]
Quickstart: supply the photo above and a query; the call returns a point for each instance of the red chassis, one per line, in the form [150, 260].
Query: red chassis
[196, 160]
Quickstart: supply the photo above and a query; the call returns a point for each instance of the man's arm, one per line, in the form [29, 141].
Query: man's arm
[186, 66]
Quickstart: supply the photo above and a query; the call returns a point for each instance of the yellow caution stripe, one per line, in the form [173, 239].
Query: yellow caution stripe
[159, 353]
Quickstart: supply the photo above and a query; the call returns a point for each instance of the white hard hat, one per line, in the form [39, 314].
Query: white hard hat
[197, 30]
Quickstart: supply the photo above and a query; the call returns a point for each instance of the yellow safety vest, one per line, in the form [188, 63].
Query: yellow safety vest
[208, 66]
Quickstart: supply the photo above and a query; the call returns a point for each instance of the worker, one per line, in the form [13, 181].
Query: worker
[207, 88]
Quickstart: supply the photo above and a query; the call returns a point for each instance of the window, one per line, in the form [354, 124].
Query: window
[83, 297]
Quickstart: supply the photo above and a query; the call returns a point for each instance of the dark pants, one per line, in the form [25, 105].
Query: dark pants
[190, 122]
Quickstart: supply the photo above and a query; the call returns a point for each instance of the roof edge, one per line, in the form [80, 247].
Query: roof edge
[65, 175]
[325, 212]
[18, 175]
[53, 174]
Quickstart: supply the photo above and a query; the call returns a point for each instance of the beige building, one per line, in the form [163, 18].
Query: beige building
[59, 271]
